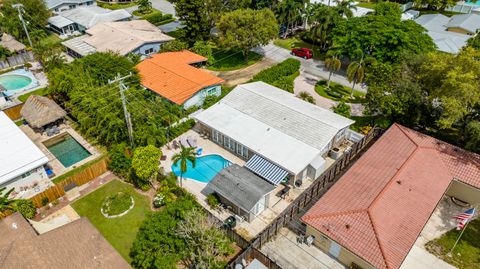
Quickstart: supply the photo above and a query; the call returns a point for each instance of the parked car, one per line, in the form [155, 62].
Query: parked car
[303, 52]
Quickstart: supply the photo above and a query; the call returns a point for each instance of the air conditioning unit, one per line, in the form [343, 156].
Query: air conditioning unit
[335, 153]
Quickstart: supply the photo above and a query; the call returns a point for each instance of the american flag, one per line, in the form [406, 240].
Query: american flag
[464, 218]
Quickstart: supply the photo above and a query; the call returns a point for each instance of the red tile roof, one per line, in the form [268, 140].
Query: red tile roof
[171, 75]
[380, 206]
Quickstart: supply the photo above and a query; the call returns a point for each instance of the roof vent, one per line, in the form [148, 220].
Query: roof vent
[14, 226]
[347, 226]
[399, 182]
[455, 149]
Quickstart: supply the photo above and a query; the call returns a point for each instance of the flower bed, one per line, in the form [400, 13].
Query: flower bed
[117, 205]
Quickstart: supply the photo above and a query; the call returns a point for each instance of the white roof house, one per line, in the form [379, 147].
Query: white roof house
[87, 17]
[54, 4]
[275, 124]
[122, 37]
[18, 154]
[467, 22]
[437, 26]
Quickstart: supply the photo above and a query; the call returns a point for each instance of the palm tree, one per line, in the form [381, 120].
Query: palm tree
[356, 70]
[183, 157]
[323, 20]
[289, 11]
[144, 6]
[7, 205]
[345, 7]
[333, 64]
[305, 96]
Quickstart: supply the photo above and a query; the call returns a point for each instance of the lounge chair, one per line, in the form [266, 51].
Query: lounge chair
[192, 142]
[183, 142]
[199, 151]
[175, 144]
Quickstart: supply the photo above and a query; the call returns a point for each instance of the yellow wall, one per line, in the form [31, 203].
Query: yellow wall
[346, 257]
[464, 192]
[459, 30]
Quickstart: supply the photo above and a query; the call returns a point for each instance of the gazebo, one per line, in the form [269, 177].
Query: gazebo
[40, 111]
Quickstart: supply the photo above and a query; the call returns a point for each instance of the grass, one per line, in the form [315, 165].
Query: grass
[117, 203]
[175, 34]
[227, 60]
[370, 5]
[51, 40]
[466, 254]
[443, 12]
[116, 6]
[339, 92]
[76, 170]
[296, 42]
[19, 122]
[121, 231]
[42, 92]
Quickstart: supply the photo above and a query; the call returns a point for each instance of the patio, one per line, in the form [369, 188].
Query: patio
[245, 229]
[54, 163]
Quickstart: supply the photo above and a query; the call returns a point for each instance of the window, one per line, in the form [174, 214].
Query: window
[242, 150]
[211, 91]
[26, 174]
[149, 51]
[217, 137]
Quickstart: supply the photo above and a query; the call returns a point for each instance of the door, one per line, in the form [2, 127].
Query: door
[260, 206]
[334, 249]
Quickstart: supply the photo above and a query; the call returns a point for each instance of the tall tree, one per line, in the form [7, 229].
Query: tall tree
[193, 14]
[144, 6]
[435, 4]
[145, 163]
[345, 7]
[323, 20]
[216, 8]
[182, 158]
[35, 13]
[289, 12]
[8, 206]
[356, 70]
[245, 29]
[332, 63]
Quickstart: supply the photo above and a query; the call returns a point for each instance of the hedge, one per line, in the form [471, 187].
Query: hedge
[281, 75]
[157, 18]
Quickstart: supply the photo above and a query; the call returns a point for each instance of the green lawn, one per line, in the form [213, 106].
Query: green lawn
[120, 232]
[370, 5]
[466, 254]
[51, 40]
[443, 12]
[19, 122]
[338, 92]
[116, 6]
[41, 92]
[227, 60]
[295, 42]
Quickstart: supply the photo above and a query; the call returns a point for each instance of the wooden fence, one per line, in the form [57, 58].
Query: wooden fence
[251, 253]
[312, 194]
[80, 178]
[14, 112]
[16, 60]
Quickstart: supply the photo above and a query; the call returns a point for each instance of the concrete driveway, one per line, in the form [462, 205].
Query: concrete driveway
[310, 66]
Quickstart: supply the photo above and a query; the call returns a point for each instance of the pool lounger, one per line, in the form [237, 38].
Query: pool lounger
[192, 142]
[183, 142]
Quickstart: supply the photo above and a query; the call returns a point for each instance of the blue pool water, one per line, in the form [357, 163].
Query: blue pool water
[68, 151]
[471, 3]
[206, 168]
[14, 82]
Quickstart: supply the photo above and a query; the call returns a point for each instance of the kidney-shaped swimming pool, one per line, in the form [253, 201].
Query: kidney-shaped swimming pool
[206, 167]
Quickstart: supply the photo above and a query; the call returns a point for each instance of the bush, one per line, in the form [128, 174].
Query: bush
[181, 128]
[26, 208]
[213, 201]
[45, 201]
[157, 18]
[205, 49]
[120, 159]
[175, 45]
[342, 109]
[117, 203]
[280, 75]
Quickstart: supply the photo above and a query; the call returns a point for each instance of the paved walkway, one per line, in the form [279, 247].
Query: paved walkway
[311, 66]
[306, 83]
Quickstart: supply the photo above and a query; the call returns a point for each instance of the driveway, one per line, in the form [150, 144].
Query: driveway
[311, 66]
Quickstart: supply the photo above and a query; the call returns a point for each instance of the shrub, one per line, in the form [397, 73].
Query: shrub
[342, 109]
[117, 203]
[305, 96]
[45, 201]
[174, 45]
[181, 128]
[205, 49]
[26, 208]
[212, 200]
[120, 159]
[280, 75]
[157, 18]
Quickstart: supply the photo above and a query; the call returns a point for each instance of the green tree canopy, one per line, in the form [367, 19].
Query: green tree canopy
[388, 9]
[246, 28]
[145, 162]
[35, 13]
[384, 38]
[193, 14]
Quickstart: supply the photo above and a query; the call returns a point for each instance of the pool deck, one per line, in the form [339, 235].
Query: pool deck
[39, 80]
[57, 167]
[197, 188]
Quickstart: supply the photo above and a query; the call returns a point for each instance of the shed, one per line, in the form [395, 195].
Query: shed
[40, 111]
[247, 193]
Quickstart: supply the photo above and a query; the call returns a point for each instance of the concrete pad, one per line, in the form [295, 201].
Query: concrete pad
[419, 258]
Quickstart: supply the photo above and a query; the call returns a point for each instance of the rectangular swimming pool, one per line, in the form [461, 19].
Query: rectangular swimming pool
[66, 149]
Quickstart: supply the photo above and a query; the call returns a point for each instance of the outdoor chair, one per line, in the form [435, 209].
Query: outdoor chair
[175, 144]
[192, 142]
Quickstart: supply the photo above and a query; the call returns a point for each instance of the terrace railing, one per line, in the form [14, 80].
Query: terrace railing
[311, 195]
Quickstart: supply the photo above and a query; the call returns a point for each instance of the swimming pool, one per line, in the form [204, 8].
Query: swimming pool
[206, 167]
[473, 4]
[14, 82]
[66, 149]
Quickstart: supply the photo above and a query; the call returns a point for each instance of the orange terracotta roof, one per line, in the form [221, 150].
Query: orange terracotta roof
[170, 75]
[380, 206]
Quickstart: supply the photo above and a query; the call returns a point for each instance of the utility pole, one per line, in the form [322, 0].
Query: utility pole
[19, 7]
[128, 119]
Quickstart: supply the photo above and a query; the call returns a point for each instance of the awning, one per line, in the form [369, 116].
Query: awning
[266, 169]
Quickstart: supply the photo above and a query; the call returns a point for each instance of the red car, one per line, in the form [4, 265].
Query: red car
[303, 52]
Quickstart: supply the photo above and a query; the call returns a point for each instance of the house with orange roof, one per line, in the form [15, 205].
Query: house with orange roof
[372, 217]
[176, 77]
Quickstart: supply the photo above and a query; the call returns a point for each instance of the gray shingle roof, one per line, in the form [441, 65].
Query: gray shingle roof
[51, 4]
[90, 16]
[467, 22]
[240, 186]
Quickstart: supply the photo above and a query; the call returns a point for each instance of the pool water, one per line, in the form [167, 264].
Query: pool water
[68, 151]
[14, 82]
[206, 168]
[472, 3]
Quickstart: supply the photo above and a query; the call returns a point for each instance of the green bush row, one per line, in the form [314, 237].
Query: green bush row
[281, 75]
[157, 18]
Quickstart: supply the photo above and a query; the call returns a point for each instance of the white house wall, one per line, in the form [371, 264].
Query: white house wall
[37, 176]
[199, 97]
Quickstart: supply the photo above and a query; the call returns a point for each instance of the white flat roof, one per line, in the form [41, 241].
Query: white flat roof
[275, 124]
[18, 153]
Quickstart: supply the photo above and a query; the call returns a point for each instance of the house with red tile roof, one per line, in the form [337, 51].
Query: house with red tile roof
[174, 76]
[373, 215]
